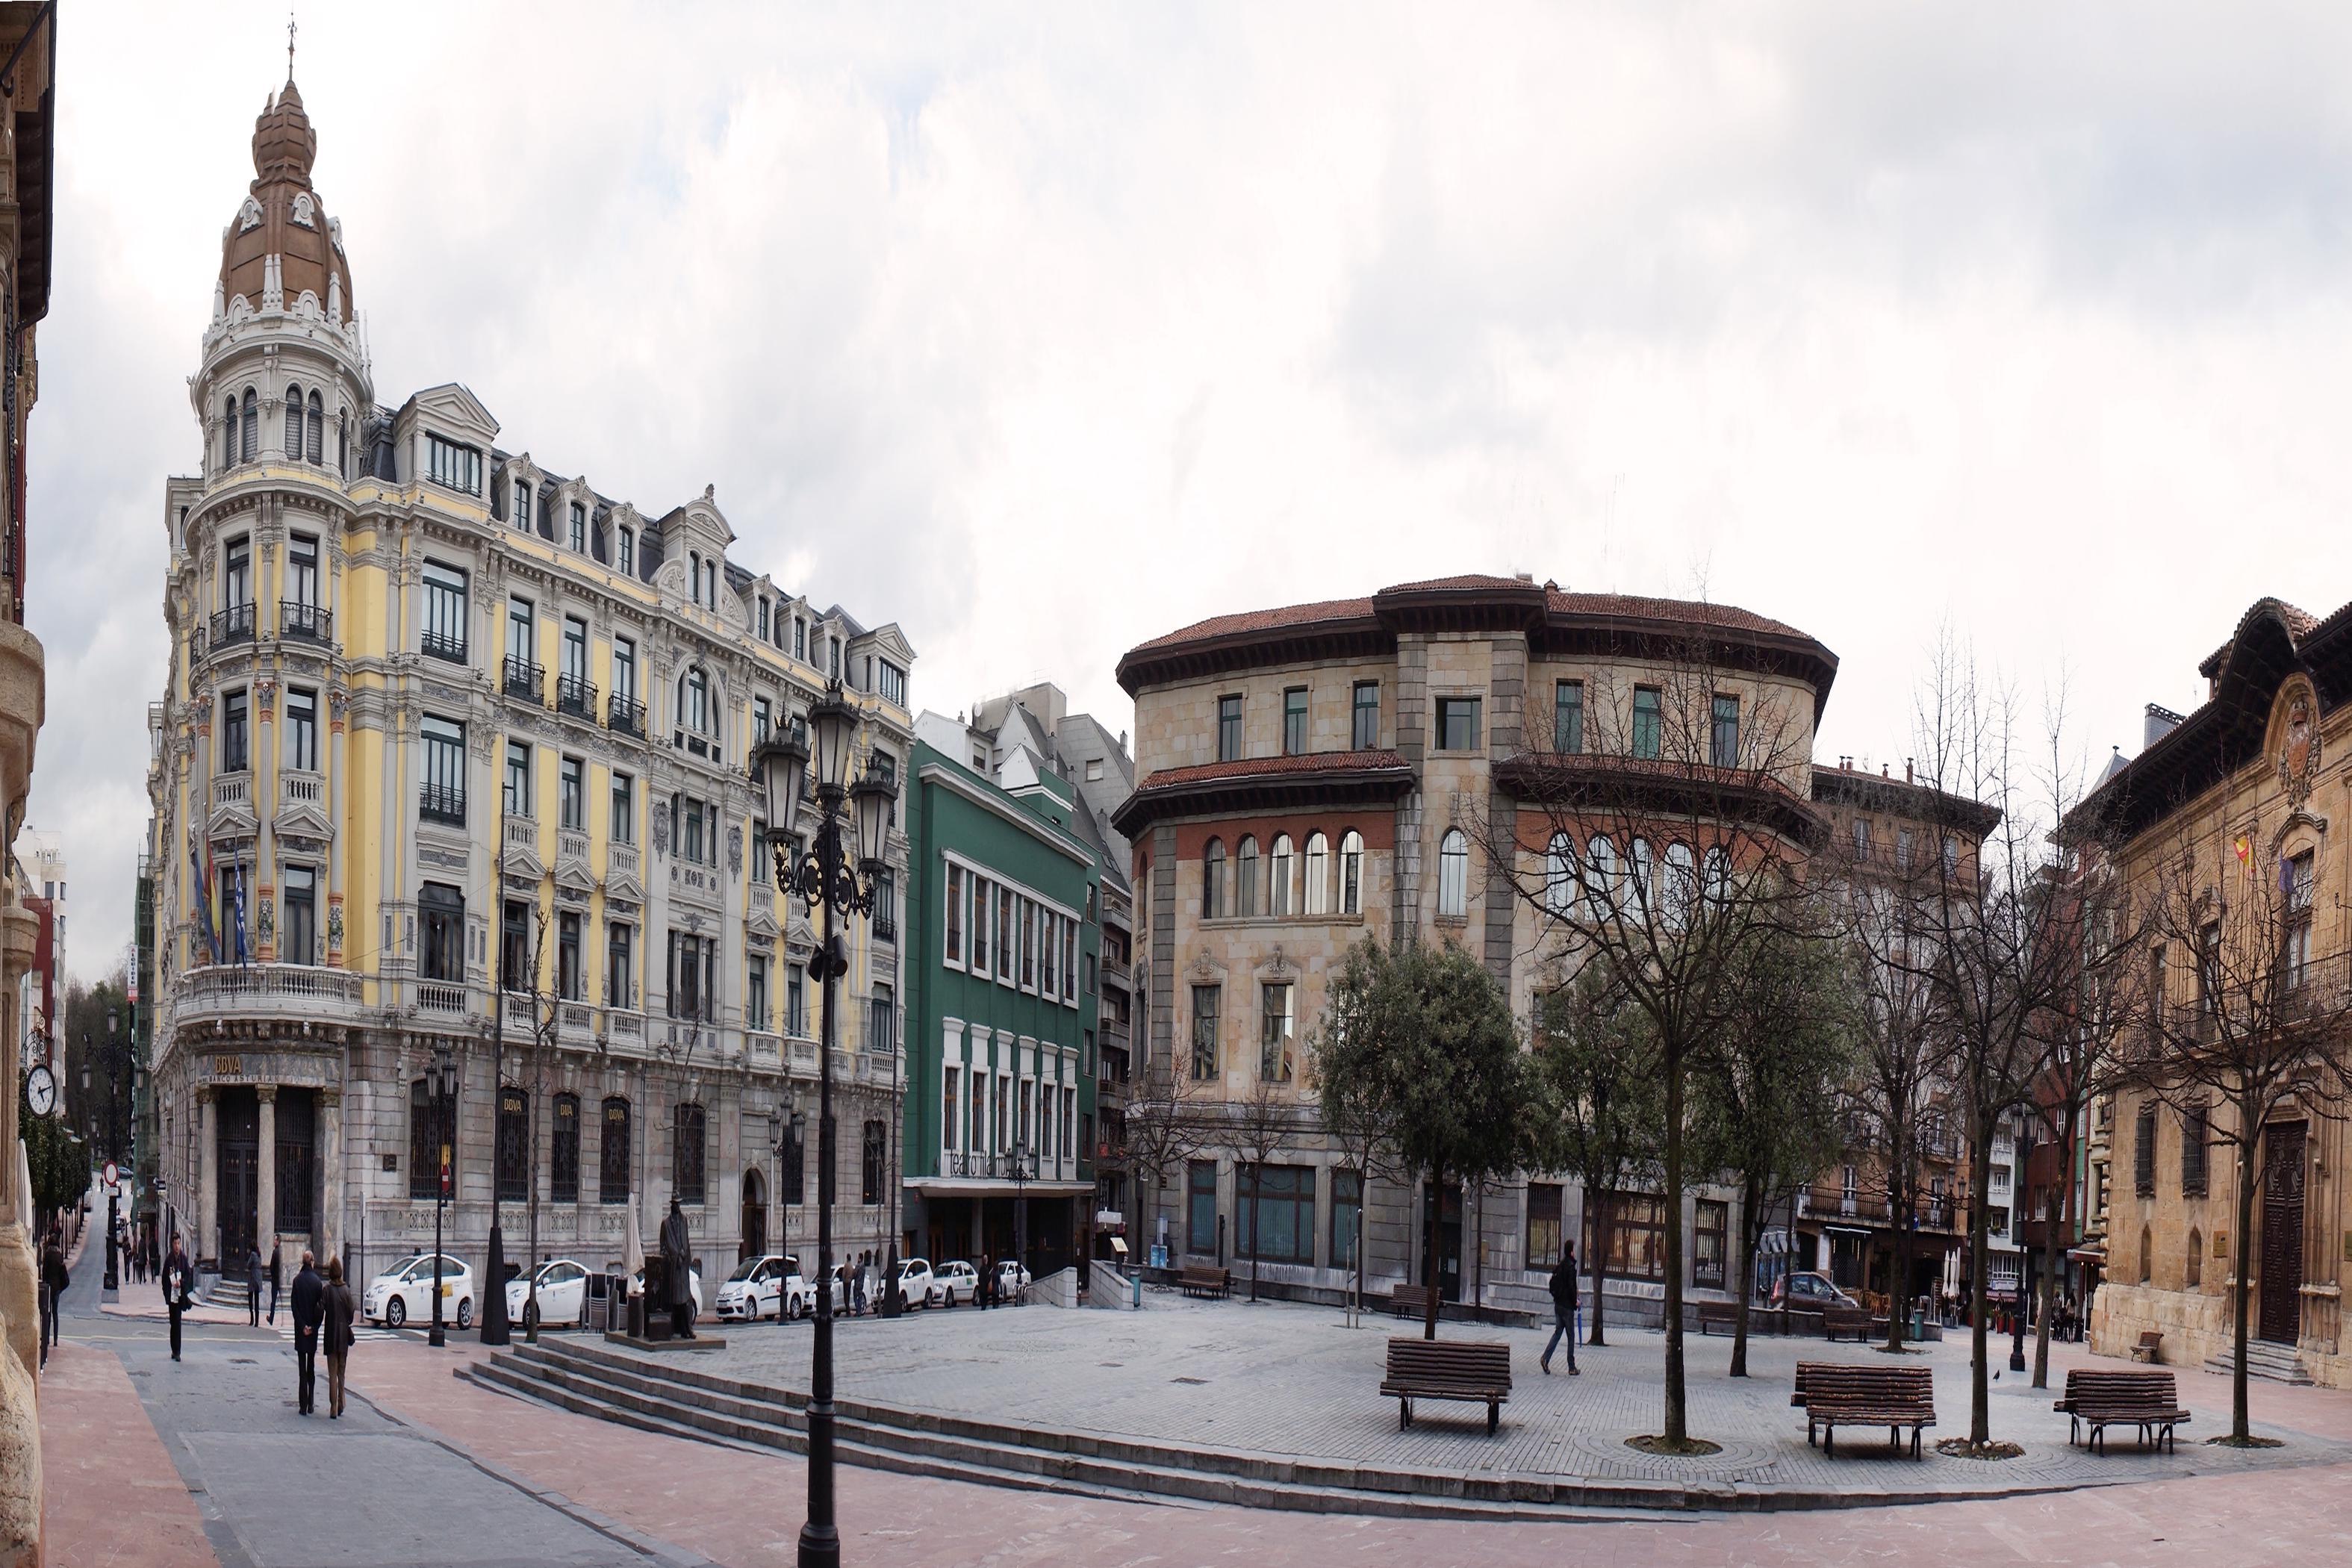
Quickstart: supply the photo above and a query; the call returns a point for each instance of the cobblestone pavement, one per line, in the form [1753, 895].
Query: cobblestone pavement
[1276, 1378]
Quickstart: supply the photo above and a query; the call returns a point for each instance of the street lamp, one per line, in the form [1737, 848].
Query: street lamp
[840, 877]
[444, 1087]
[1024, 1165]
[2017, 1212]
[790, 1128]
[113, 1200]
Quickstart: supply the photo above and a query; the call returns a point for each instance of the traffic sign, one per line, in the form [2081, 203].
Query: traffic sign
[113, 1176]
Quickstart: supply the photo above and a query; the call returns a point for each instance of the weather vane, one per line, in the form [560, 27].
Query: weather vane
[289, 46]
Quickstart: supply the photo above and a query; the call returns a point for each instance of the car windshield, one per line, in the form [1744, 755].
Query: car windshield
[745, 1269]
[548, 1273]
[397, 1266]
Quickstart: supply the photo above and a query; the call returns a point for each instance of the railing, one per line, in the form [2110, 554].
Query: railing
[626, 1025]
[298, 987]
[575, 697]
[439, 802]
[231, 790]
[233, 624]
[442, 645]
[305, 623]
[571, 844]
[302, 789]
[620, 860]
[1835, 1202]
[527, 680]
[624, 714]
[576, 1019]
[763, 1047]
[885, 927]
[441, 997]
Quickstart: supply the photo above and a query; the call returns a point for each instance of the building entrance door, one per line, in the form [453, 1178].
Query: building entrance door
[2280, 1318]
[755, 1216]
[1449, 1237]
[240, 1168]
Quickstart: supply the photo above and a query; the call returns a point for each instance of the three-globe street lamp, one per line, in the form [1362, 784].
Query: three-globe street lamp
[444, 1089]
[840, 877]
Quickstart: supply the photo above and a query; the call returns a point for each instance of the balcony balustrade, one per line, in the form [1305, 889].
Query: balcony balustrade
[311, 992]
[576, 696]
[526, 679]
[233, 625]
[232, 791]
[439, 802]
[625, 715]
[301, 788]
[299, 622]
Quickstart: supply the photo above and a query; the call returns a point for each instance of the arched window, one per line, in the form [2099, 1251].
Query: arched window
[1278, 875]
[1351, 873]
[1681, 892]
[343, 444]
[1560, 876]
[1715, 885]
[1454, 874]
[1641, 898]
[2196, 1276]
[1318, 873]
[694, 700]
[1600, 876]
[686, 1156]
[613, 1153]
[294, 424]
[563, 1151]
[1246, 879]
[249, 436]
[2147, 1256]
[314, 435]
[1212, 881]
[228, 433]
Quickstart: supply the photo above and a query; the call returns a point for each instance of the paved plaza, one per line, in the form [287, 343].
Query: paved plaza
[1283, 1380]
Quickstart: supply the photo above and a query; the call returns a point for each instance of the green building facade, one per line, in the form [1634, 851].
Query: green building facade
[1001, 946]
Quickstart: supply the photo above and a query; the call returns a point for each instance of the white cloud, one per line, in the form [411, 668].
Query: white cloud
[1045, 331]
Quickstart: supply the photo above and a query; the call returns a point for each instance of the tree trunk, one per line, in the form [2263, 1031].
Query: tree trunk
[1256, 1240]
[1980, 1383]
[2243, 1246]
[2053, 1260]
[1752, 1225]
[1677, 1411]
[1436, 1201]
[1597, 1255]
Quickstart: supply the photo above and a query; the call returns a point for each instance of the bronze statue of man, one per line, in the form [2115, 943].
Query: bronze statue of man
[678, 1281]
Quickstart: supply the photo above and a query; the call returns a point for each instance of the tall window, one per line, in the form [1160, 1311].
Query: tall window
[1637, 1234]
[763, 617]
[571, 793]
[694, 709]
[693, 961]
[1201, 1206]
[755, 992]
[571, 973]
[624, 826]
[448, 463]
[1212, 881]
[517, 791]
[1458, 723]
[1347, 1216]
[1229, 728]
[1365, 734]
[1723, 736]
[1559, 877]
[1206, 1000]
[1246, 879]
[1028, 944]
[613, 1155]
[522, 505]
[445, 612]
[620, 964]
[1454, 874]
[1710, 1234]
[1567, 718]
[522, 646]
[302, 569]
[513, 1155]
[2195, 1136]
[2296, 875]
[893, 683]
[235, 748]
[236, 575]
[686, 1155]
[1294, 721]
[579, 533]
[624, 669]
[1351, 873]
[1276, 1028]
[298, 940]
[955, 916]
[1648, 722]
[1053, 936]
[563, 1151]
[1318, 874]
[515, 966]
[881, 1019]
[294, 424]
[1600, 876]
[624, 549]
[2143, 1152]
[1543, 1225]
[1277, 1213]
[1007, 933]
[301, 729]
[1278, 875]
[314, 438]
[445, 768]
[575, 650]
[249, 438]
[796, 1001]
[429, 1118]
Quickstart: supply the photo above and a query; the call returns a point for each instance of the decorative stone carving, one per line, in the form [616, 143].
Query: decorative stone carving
[248, 218]
[305, 211]
[2294, 739]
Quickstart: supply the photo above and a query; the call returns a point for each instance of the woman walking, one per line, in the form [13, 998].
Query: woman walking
[273, 1282]
[340, 1309]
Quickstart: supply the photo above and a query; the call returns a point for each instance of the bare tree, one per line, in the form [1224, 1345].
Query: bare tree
[1661, 839]
[1254, 1129]
[1166, 1126]
[536, 991]
[2252, 1025]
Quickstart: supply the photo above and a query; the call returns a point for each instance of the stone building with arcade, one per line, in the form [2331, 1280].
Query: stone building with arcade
[453, 765]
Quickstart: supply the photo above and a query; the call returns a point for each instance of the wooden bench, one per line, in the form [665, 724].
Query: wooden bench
[1206, 1279]
[1409, 1301]
[2146, 1400]
[1477, 1372]
[1714, 1315]
[1797, 1394]
[1854, 1321]
[2150, 1348]
[1839, 1393]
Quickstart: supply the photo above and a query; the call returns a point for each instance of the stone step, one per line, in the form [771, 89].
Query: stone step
[2265, 1359]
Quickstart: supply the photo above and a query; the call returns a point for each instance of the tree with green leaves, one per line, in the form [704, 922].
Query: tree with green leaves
[1419, 1048]
[58, 1161]
[1767, 1104]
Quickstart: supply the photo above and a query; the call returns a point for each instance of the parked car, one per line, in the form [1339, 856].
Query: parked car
[915, 1280]
[404, 1291]
[562, 1294]
[955, 1284]
[1809, 1290]
[693, 1281]
[756, 1289]
[800, 1295]
[1011, 1278]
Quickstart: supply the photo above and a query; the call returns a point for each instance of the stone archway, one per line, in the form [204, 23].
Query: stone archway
[754, 1231]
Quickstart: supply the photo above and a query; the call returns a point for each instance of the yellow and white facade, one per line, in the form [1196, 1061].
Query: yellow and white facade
[455, 754]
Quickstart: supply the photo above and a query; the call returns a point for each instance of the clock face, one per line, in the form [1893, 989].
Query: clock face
[41, 1089]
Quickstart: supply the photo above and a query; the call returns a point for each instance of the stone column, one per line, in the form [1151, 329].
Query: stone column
[208, 1241]
[265, 1175]
[330, 1226]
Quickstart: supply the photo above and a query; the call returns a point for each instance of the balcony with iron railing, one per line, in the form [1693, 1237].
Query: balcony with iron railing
[1834, 1203]
[443, 645]
[300, 622]
[525, 679]
[442, 802]
[233, 625]
[230, 992]
[576, 696]
[625, 715]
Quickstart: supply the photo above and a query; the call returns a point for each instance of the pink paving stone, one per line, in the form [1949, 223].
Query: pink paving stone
[111, 1492]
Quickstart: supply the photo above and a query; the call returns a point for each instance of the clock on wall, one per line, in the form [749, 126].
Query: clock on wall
[41, 1090]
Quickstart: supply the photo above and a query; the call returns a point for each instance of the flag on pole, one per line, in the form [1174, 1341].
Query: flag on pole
[244, 954]
[2244, 845]
[203, 903]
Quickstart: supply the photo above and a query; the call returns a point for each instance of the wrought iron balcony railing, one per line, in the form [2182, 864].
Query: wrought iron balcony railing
[575, 697]
[443, 646]
[526, 680]
[624, 714]
[233, 624]
[440, 803]
[301, 622]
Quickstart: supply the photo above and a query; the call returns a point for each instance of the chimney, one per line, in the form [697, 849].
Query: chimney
[1526, 577]
[1906, 772]
[2157, 722]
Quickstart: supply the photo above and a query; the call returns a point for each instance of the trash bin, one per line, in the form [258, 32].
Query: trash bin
[1920, 1308]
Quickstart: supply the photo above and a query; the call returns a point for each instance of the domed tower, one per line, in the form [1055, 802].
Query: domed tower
[285, 375]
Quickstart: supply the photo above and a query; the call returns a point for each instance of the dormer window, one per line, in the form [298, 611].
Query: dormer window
[457, 466]
[579, 539]
[627, 556]
[694, 575]
[522, 506]
[893, 684]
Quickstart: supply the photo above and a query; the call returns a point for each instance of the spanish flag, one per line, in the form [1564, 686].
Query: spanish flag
[2244, 845]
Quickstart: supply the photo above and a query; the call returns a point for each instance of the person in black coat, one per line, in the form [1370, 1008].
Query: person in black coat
[177, 1277]
[253, 1286]
[339, 1310]
[54, 1281]
[1563, 1309]
[310, 1310]
[274, 1279]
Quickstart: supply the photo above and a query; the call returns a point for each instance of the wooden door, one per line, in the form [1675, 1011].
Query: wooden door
[2281, 1265]
[239, 1116]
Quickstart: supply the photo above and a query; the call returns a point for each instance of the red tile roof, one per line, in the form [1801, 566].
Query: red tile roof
[1262, 621]
[1262, 767]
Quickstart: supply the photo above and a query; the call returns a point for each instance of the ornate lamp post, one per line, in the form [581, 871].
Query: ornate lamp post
[790, 1127]
[839, 876]
[1024, 1165]
[444, 1086]
[113, 1201]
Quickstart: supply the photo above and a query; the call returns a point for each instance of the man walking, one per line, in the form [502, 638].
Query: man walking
[1563, 1309]
[309, 1309]
[253, 1287]
[273, 1279]
[175, 1288]
[339, 1310]
[54, 1281]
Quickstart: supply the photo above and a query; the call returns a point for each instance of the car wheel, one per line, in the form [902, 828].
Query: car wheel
[395, 1312]
[530, 1317]
[466, 1314]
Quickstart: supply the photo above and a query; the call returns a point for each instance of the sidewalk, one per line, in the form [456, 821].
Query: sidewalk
[109, 1491]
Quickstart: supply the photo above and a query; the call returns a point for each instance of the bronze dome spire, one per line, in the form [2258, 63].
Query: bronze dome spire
[281, 217]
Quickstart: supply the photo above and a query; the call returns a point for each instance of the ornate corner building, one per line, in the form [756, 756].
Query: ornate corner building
[454, 759]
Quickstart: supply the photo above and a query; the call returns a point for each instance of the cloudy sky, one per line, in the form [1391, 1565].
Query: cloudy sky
[1045, 330]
